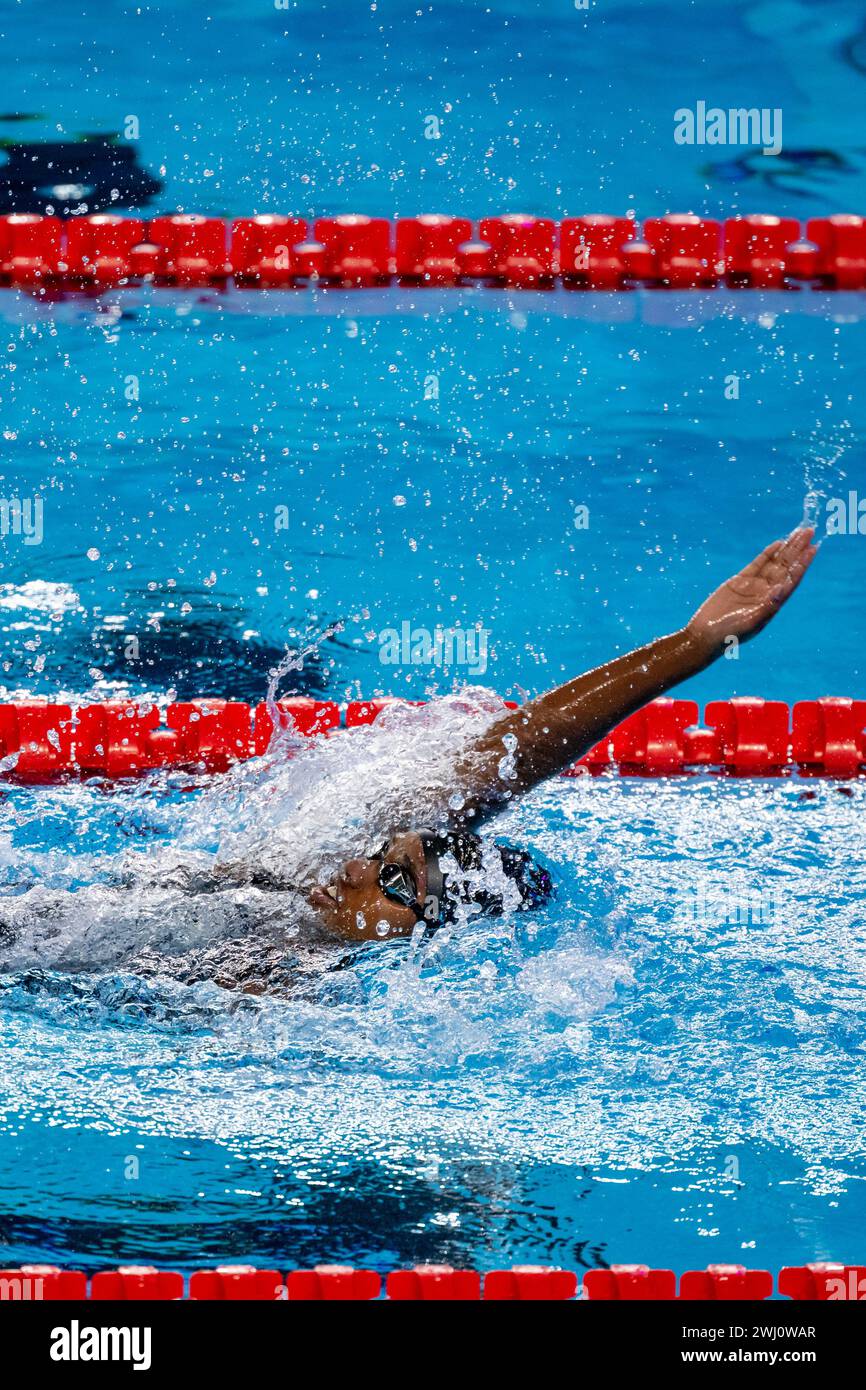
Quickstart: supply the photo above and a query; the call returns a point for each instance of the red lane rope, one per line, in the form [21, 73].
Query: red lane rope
[747, 736]
[822, 1282]
[597, 251]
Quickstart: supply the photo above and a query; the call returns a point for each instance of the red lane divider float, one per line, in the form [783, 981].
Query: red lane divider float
[433, 1284]
[236, 1284]
[630, 1283]
[137, 1283]
[748, 736]
[333, 1284]
[723, 1282]
[530, 1283]
[823, 1282]
[436, 1283]
[597, 251]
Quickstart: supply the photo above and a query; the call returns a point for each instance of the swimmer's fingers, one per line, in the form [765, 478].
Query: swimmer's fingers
[783, 569]
[781, 564]
[781, 557]
[746, 602]
[797, 550]
[760, 562]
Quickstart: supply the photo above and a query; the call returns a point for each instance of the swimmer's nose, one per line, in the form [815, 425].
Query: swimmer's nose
[355, 872]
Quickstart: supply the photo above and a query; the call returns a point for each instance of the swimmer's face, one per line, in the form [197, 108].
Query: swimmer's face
[354, 905]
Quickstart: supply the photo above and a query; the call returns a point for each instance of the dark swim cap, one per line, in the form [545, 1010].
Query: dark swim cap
[446, 889]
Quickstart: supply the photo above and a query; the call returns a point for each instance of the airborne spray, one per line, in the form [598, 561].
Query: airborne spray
[822, 475]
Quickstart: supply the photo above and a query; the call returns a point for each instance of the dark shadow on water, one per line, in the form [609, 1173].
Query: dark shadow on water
[69, 178]
[479, 1216]
[213, 653]
[804, 172]
[207, 658]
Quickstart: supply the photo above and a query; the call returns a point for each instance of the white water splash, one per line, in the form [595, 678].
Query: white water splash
[247, 850]
[822, 474]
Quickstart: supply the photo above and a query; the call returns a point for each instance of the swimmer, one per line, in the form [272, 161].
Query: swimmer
[421, 875]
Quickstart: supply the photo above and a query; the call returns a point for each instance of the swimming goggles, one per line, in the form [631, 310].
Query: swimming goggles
[399, 884]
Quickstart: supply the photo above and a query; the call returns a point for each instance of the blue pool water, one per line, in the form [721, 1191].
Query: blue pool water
[641, 1073]
[666, 1065]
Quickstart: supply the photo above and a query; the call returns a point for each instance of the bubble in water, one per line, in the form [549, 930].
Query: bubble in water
[507, 768]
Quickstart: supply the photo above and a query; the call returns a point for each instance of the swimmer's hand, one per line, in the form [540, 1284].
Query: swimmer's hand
[745, 603]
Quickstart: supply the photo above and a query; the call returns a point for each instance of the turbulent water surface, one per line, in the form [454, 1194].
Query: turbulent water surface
[666, 1063]
[671, 1051]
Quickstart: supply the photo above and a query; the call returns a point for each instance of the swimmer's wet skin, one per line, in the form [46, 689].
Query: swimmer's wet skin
[416, 876]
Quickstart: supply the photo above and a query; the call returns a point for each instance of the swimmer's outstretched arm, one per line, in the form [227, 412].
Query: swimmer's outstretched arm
[551, 732]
